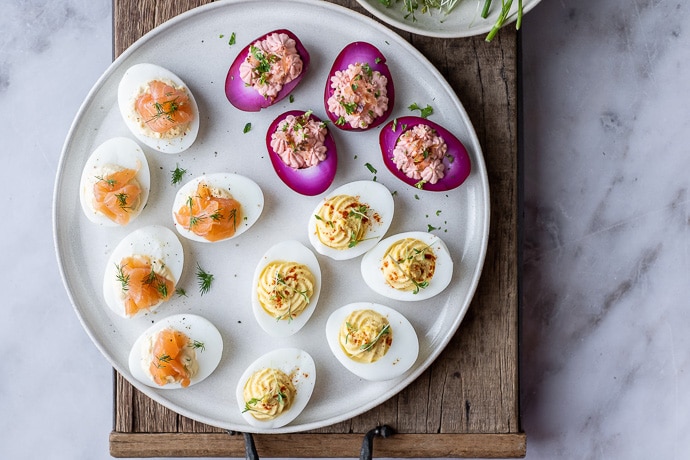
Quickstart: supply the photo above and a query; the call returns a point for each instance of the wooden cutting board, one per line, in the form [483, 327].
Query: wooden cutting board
[467, 403]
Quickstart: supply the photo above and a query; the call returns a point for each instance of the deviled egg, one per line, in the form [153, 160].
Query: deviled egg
[302, 151]
[285, 288]
[266, 71]
[408, 266]
[424, 154]
[115, 182]
[351, 219]
[276, 387]
[143, 271]
[217, 207]
[359, 92]
[176, 352]
[158, 108]
[373, 341]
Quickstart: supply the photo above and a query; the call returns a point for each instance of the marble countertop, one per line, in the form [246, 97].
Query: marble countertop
[605, 343]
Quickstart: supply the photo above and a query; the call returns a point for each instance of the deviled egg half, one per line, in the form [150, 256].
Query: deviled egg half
[176, 352]
[217, 207]
[266, 70]
[373, 341]
[115, 183]
[276, 387]
[143, 271]
[359, 93]
[158, 108]
[286, 287]
[424, 154]
[351, 219]
[408, 266]
[302, 152]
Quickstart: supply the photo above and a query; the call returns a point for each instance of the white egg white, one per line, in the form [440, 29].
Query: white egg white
[373, 276]
[292, 361]
[195, 327]
[112, 155]
[289, 251]
[378, 198]
[242, 189]
[401, 355]
[134, 79]
[154, 241]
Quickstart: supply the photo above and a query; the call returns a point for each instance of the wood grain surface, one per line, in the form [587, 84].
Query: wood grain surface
[467, 403]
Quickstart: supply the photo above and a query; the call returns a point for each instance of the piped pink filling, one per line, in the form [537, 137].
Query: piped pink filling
[270, 64]
[419, 154]
[299, 141]
[359, 96]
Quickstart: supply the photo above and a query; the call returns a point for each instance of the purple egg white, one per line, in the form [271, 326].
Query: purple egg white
[361, 52]
[306, 181]
[249, 99]
[456, 161]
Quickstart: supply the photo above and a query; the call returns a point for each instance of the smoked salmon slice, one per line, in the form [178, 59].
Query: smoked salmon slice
[212, 217]
[142, 286]
[116, 195]
[164, 108]
[167, 363]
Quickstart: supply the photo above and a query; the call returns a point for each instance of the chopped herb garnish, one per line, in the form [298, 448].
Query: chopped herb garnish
[232, 39]
[350, 107]
[425, 112]
[370, 168]
[180, 292]
[198, 345]
[430, 228]
[247, 128]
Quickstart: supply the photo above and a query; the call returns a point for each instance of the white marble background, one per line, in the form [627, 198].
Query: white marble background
[606, 342]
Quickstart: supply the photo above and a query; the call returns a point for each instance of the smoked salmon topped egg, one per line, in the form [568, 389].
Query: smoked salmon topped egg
[115, 183]
[176, 352]
[217, 207]
[158, 108]
[143, 271]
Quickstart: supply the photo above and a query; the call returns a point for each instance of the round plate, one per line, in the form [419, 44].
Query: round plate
[195, 46]
[464, 20]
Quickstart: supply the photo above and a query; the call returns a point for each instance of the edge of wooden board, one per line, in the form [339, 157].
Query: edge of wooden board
[309, 445]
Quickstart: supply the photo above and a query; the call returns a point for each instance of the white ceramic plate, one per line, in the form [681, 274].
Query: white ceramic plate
[195, 46]
[464, 20]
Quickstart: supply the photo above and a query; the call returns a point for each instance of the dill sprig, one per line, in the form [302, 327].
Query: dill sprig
[204, 279]
[177, 174]
[122, 277]
[164, 112]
